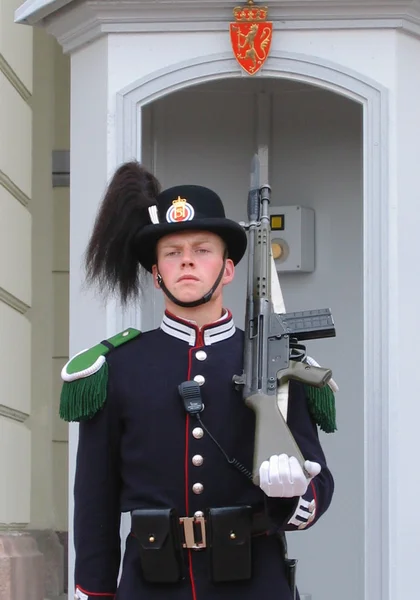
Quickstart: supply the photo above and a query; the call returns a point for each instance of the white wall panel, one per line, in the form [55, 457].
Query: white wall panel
[15, 469]
[60, 485]
[405, 322]
[61, 231]
[16, 42]
[364, 51]
[15, 360]
[60, 427]
[15, 247]
[62, 99]
[15, 136]
[61, 314]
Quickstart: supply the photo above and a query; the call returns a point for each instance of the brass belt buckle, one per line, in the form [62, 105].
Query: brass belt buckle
[189, 532]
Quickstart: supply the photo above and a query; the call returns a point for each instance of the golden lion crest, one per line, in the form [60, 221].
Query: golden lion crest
[251, 35]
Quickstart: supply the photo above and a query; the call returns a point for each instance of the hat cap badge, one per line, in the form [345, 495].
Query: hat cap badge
[179, 211]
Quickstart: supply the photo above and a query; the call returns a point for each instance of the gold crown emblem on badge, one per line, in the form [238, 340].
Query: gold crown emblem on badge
[179, 201]
[250, 13]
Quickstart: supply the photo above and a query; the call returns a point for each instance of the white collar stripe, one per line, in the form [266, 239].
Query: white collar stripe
[186, 337]
[174, 324]
[220, 328]
[209, 340]
[217, 334]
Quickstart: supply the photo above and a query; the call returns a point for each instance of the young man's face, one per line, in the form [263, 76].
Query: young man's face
[190, 262]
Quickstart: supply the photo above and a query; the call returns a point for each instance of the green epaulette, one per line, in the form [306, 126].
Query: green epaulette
[85, 378]
[321, 404]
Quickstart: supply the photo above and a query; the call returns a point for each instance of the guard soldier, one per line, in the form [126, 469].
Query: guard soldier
[177, 460]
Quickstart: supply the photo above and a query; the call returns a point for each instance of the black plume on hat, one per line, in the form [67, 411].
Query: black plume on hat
[190, 208]
[110, 259]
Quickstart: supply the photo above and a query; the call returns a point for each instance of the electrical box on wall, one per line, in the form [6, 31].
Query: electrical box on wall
[293, 238]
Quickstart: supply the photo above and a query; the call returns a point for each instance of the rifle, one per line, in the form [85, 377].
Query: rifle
[272, 352]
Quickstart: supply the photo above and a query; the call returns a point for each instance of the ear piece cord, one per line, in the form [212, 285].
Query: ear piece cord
[206, 298]
[191, 395]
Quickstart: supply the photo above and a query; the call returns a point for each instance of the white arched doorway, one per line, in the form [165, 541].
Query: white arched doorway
[131, 106]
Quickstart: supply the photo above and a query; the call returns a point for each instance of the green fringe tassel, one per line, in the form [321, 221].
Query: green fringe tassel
[82, 398]
[321, 403]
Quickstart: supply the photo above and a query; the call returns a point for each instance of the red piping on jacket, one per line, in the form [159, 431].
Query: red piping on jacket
[314, 493]
[198, 343]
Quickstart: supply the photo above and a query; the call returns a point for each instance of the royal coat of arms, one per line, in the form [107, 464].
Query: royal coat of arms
[250, 35]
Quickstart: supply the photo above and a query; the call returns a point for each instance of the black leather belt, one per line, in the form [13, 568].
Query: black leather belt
[194, 530]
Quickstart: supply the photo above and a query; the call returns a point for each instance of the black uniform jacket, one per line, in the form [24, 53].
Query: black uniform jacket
[142, 450]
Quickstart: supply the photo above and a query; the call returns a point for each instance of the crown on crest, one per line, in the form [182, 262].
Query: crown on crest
[250, 12]
[179, 201]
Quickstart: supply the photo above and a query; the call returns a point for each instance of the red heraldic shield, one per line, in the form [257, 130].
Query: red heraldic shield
[250, 36]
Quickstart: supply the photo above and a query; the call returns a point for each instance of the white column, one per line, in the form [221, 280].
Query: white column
[42, 302]
[404, 321]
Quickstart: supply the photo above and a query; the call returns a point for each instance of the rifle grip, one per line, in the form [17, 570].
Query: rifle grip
[302, 371]
[272, 434]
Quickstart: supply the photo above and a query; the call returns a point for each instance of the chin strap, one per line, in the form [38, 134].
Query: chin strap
[206, 298]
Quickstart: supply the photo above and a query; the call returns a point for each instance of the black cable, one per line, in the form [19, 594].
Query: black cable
[232, 461]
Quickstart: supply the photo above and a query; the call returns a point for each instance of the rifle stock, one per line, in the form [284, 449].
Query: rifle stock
[272, 434]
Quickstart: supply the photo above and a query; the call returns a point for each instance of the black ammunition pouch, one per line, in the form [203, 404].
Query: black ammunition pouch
[230, 543]
[157, 532]
[224, 532]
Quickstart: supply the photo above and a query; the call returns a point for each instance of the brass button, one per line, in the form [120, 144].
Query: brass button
[197, 433]
[201, 355]
[198, 488]
[232, 535]
[199, 379]
[151, 539]
[197, 460]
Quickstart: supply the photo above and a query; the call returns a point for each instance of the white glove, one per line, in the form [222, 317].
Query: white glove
[283, 477]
